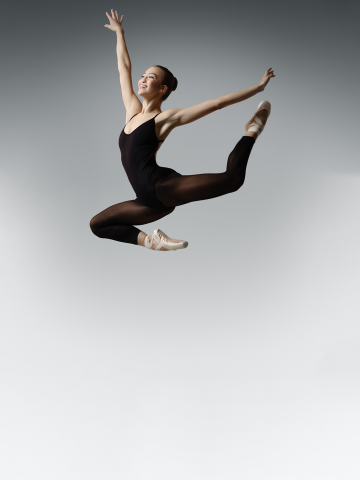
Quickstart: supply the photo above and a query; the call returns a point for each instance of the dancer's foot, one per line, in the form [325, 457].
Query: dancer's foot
[160, 241]
[257, 122]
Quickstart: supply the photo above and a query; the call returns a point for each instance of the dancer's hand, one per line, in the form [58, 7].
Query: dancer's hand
[115, 23]
[266, 78]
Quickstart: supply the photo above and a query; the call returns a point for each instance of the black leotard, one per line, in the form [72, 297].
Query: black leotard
[138, 150]
[138, 156]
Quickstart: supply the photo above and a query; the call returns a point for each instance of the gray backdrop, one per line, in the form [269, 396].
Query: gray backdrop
[236, 358]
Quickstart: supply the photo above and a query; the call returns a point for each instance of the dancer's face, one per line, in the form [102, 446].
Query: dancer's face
[150, 83]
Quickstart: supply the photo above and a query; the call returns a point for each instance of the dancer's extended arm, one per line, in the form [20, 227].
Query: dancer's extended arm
[124, 63]
[182, 116]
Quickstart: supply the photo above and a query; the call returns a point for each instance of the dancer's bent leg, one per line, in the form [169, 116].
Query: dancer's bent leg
[116, 222]
[178, 190]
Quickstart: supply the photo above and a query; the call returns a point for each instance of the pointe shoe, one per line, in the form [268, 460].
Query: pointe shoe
[255, 124]
[163, 241]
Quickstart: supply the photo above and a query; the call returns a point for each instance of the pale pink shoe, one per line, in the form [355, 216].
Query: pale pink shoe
[255, 124]
[163, 241]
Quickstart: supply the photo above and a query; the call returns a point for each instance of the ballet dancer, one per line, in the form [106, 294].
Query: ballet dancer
[158, 189]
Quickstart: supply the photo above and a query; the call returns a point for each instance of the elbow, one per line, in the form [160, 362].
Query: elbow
[219, 104]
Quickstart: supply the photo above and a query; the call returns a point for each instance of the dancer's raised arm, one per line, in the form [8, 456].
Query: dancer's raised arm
[182, 116]
[124, 64]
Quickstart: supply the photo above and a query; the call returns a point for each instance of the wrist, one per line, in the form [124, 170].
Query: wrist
[259, 88]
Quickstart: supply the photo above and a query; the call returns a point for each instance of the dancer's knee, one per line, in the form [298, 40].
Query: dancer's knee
[236, 182]
[95, 226]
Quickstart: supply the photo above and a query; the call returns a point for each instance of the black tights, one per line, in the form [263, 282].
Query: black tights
[117, 222]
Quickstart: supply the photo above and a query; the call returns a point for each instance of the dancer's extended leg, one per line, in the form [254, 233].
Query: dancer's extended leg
[177, 190]
[116, 222]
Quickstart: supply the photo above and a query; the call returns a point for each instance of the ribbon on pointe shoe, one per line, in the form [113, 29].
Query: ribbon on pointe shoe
[255, 127]
[148, 242]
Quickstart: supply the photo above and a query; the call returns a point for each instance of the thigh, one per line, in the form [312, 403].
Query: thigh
[178, 189]
[131, 212]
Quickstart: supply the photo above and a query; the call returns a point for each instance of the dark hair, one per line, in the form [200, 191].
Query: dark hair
[169, 80]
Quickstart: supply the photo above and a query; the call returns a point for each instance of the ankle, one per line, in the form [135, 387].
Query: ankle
[254, 135]
[141, 239]
[153, 244]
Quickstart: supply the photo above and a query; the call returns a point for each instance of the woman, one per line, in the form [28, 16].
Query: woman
[159, 190]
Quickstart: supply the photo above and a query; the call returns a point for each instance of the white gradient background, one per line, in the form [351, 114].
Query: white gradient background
[238, 358]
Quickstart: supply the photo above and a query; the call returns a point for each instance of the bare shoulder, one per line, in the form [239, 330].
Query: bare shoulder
[167, 117]
[135, 108]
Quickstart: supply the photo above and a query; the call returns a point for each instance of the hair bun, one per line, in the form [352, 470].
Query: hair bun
[169, 80]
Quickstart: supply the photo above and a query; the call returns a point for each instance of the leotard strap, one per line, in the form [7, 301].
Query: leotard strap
[154, 117]
[131, 119]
